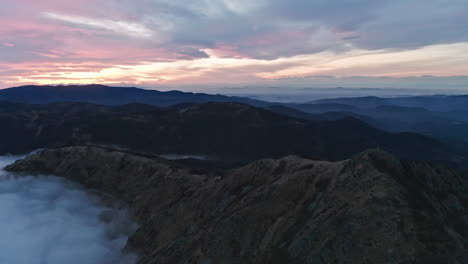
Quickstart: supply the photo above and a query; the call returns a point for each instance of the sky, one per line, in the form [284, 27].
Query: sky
[195, 44]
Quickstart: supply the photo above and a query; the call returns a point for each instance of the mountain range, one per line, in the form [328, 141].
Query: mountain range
[443, 117]
[234, 128]
[445, 125]
[372, 208]
[437, 103]
[362, 180]
[106, 95]
[216, 130]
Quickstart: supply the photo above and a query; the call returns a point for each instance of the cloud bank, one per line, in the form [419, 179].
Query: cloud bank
[181, 41]
[47, 220]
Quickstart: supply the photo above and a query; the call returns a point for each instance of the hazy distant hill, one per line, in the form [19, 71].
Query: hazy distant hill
[324, 107]
[437, 103]
[223, 130]
[400, 114]
[106, 95]
[327, 113]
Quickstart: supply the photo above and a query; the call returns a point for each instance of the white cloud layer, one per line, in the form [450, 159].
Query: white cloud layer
[47, 220]
[121, 27]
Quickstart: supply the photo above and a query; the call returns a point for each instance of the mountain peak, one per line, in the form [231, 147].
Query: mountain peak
[277, 210]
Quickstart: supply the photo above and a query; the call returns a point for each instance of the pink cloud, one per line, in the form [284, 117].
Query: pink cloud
[85, 37]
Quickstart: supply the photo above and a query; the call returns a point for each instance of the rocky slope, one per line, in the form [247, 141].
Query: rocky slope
[372, 208]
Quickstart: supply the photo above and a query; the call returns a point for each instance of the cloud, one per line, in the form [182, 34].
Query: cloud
[444, 60]
[49, 220]
[413, 24]
[120, 27]
[289, 36]
[192, 53]
[304, 26]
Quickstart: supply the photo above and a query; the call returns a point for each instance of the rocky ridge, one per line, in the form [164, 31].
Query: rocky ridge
[372, 208]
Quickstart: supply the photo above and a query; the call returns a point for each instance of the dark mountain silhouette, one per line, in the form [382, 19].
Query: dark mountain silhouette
[444, 117]
[292, 112]
[324, 107]
[437, 103]
[320, 111]
[228, 131]
[106, 95]
[443, 125]
[389, 112]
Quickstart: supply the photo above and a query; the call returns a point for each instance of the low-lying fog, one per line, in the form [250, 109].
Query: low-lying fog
[48, 220]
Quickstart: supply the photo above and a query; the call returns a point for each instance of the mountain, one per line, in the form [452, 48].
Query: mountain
[404, 114]
[292, 112]
[221, 131]
[437, 103]
[323, 108]
[373, 208]
[321, 111]
[427, 115]
[106, 95]
[449, 125]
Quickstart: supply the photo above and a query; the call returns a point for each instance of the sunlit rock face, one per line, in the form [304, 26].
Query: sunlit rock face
[49, 220]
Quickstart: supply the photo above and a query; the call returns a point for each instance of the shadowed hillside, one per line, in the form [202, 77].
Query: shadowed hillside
[106, 95]
[226, 131]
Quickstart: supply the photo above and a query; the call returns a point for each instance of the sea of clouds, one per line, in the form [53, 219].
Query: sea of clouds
[49, 220]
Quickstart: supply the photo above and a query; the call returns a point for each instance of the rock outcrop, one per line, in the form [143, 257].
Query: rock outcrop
[372, 208]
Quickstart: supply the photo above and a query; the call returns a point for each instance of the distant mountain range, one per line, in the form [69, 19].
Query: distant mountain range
[443, 117]
[226, 131]
[446, 125]
[106, 95]
[437, 103]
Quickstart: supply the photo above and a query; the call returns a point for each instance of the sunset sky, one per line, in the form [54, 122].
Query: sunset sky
[191, 43]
